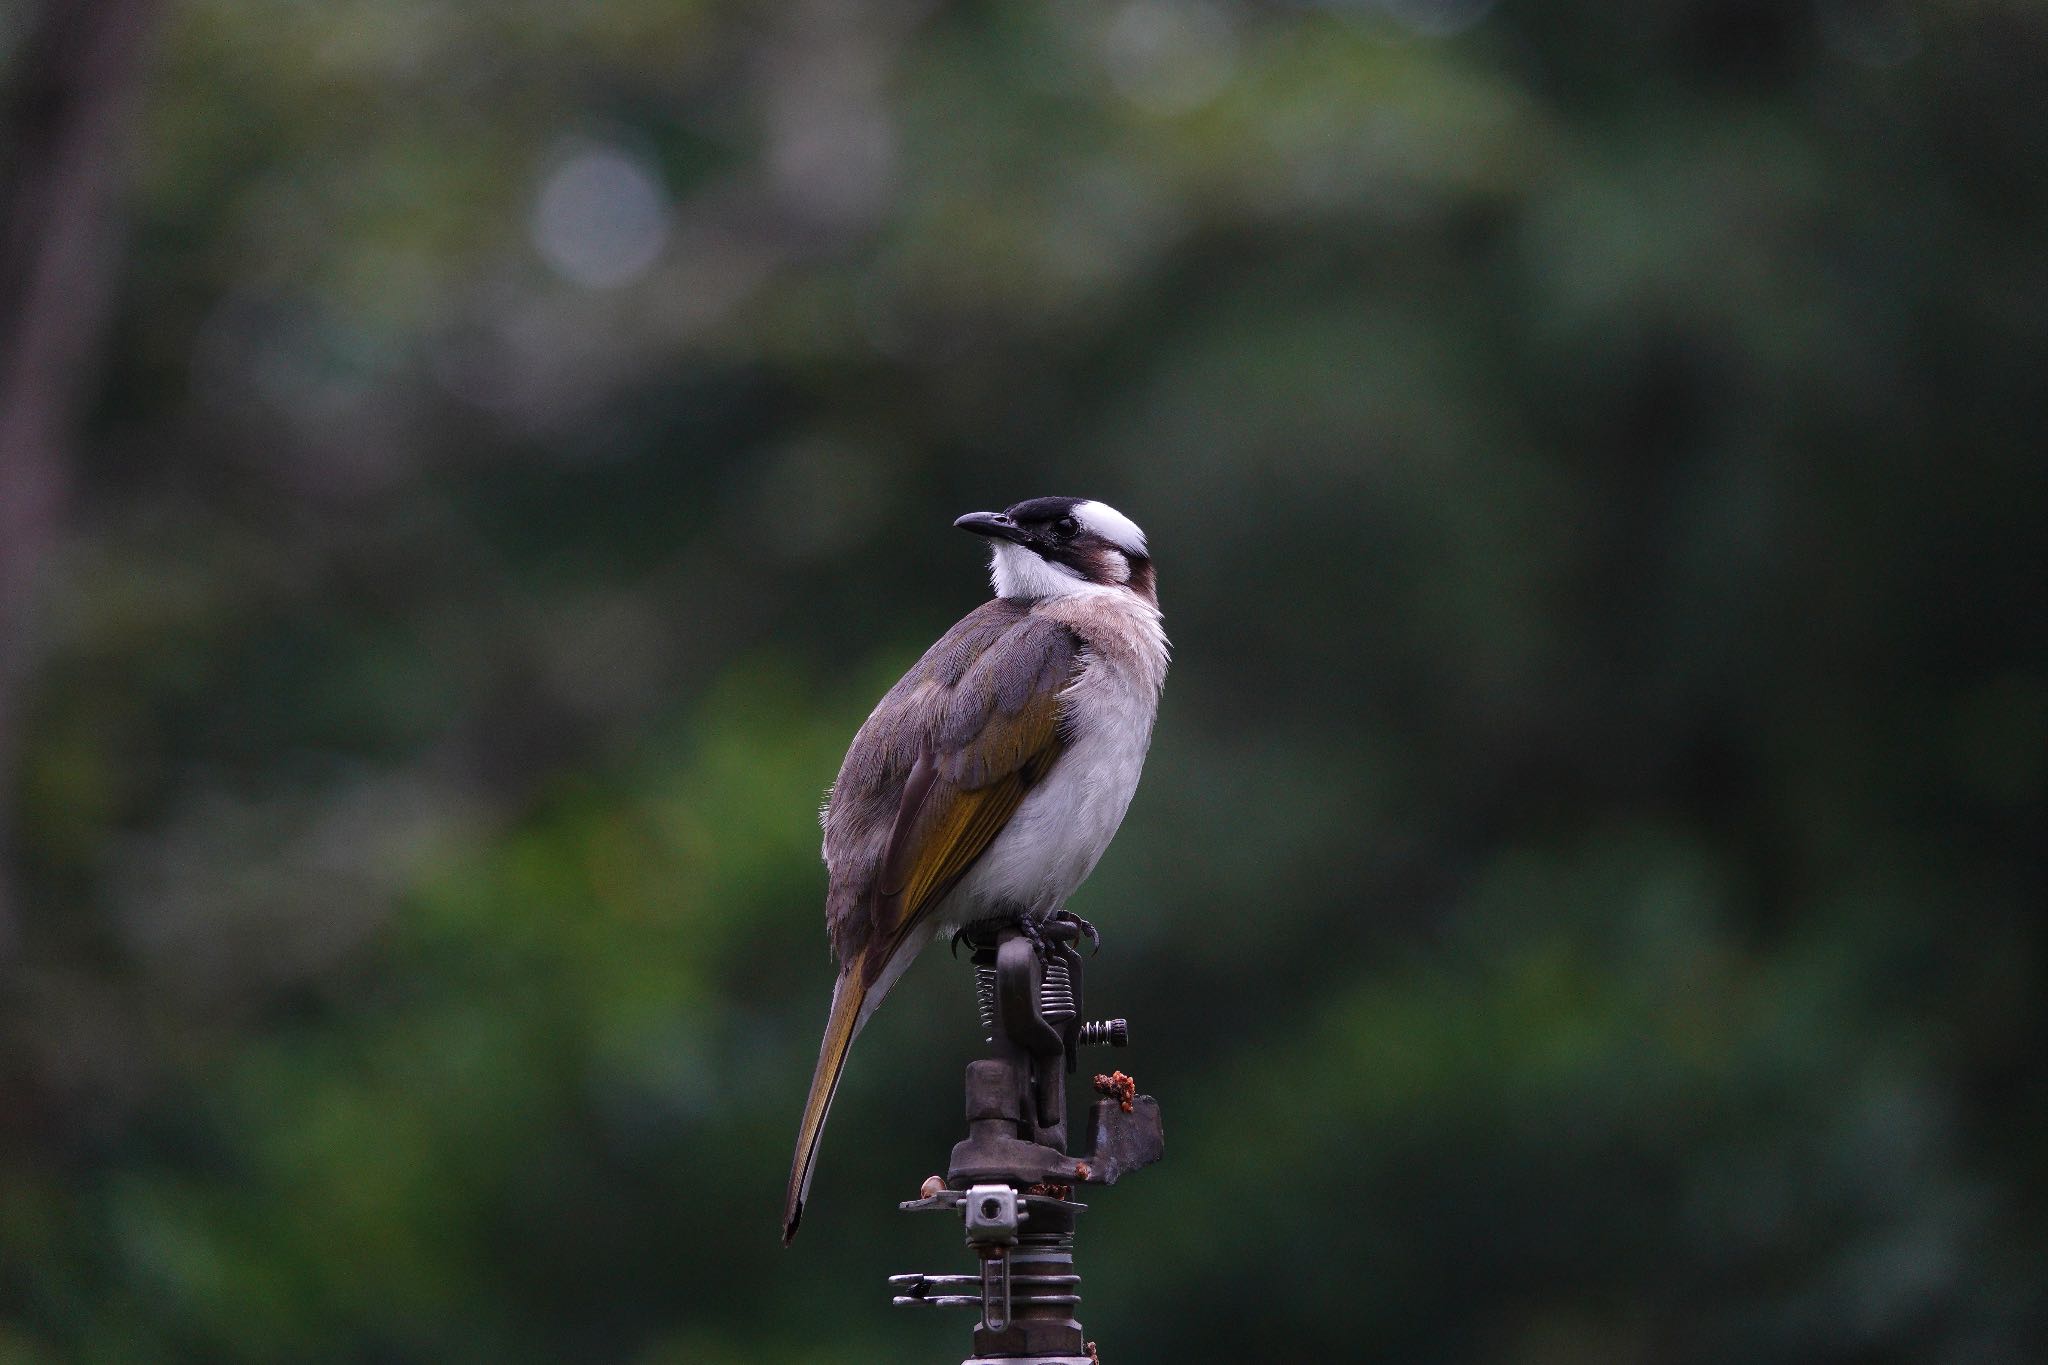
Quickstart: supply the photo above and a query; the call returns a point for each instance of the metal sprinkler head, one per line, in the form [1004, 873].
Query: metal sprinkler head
[1011, 1179]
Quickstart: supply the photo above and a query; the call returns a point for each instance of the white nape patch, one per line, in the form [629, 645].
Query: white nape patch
[1017, 572]
[1112, 525]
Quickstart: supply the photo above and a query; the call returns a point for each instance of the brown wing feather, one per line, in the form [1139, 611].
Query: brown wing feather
[953, 750]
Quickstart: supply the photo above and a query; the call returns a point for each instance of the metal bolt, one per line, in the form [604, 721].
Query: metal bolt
[1105, 1033]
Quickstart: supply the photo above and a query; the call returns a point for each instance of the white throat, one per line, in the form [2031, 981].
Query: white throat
[1017, 572]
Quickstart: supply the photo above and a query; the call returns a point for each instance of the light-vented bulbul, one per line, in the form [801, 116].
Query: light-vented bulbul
[988, 781]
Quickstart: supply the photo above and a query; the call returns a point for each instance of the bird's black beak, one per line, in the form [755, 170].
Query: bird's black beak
[995, 525]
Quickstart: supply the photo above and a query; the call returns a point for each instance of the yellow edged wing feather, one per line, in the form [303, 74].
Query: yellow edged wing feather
[955, 823]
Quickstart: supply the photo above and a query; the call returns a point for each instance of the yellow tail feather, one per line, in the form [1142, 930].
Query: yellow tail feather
[847, 996]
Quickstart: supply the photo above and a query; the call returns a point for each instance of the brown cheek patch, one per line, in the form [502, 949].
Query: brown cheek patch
[1096, 561]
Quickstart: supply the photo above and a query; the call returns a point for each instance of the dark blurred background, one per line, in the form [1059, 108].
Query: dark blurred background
[467, 469]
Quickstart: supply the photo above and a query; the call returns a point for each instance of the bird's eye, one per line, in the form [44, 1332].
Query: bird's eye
[1066, 528]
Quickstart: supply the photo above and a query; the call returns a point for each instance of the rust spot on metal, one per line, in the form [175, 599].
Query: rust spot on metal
[1118, 1087]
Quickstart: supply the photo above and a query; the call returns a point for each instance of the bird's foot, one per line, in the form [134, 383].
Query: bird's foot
[1027, 925]
[983, 932]
[1086, 930]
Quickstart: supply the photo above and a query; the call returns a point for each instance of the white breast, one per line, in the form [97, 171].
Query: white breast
[1065, 823]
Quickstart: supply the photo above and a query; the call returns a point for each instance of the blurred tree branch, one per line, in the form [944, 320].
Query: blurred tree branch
[75, 86]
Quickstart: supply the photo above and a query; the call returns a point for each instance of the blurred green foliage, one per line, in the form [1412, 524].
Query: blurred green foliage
[1584, 904]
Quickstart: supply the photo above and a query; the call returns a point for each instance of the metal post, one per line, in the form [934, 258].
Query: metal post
[1011, 1180]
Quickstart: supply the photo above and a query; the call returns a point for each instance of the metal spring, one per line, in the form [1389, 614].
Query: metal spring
[1055, 995]
[985, 999]
[1056, 992]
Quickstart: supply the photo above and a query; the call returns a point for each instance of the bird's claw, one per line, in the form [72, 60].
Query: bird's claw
[1087, 930]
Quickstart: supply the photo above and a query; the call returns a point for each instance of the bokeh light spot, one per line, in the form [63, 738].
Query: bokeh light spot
[601, 218]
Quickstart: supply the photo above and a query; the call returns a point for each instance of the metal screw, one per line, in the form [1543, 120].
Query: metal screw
[1105, 1033]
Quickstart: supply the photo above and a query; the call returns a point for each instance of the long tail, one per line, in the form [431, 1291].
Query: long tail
[847, 996]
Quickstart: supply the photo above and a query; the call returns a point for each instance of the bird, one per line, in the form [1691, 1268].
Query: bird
[988, 782]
